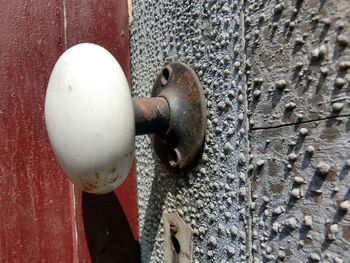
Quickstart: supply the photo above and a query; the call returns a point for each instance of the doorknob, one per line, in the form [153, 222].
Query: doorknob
[91, 118]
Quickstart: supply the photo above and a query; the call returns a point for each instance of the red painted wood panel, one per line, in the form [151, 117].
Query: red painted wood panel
[43, 219]
[35, 197]
[107, 225]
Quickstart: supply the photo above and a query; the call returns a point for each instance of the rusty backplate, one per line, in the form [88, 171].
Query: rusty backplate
[182, 144]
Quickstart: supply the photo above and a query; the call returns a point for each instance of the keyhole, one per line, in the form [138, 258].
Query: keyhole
[176, 244]
[173, 231]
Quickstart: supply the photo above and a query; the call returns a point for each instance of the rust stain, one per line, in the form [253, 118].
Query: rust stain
[278, 147]
[346, 233]
[147, 111]
[316, 197]
[189, 78]
[288, 252]
[331, 175]
[261, 150]
[254, 185]
[267, 110]
[276, 188]
[330, 133]
[308, 241]
[273, 168]
[266, 192]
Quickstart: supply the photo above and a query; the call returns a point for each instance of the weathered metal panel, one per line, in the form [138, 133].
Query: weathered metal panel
[298, 88]
[208, 36]
[294, 203]
[276, 77]
[297, 61]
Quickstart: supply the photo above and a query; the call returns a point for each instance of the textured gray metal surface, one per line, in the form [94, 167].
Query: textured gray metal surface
[298, 90]
[298, 57]
[258, 194]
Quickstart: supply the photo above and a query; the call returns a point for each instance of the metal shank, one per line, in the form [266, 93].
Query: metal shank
[175, 115]
[152, 115]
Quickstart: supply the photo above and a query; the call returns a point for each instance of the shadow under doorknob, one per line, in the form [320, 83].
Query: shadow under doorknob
[92, 119]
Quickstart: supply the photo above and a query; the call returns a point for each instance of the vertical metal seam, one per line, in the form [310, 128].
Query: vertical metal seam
[72, 188]
[247, 142]
[64, 24]
[74, 225]
[130, 11]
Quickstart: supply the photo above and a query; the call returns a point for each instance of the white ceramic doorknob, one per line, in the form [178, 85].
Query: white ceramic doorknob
[90, 119]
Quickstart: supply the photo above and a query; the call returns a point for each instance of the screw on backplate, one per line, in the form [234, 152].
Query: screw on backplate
[166, 73]
[174, 157]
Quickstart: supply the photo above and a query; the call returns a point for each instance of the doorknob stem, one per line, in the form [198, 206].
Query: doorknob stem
[152, 115]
